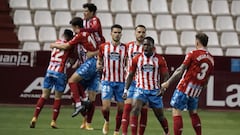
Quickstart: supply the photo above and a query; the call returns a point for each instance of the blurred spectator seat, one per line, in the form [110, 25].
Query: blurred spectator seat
[139, 6]
[77, 5]
[229, 39]
[233, 52]
[215, 51]
[102, 5]
[204, 23]
[47, 34]
[166, 24]
[118, 6]
[107, 34]
[173, 50]
[199, 7]
[125, 19]
[38, 4]
[224, 23]
[235, 8]
[184, 22]
[46, 46]
[219, 7]
[79, 14]
[158, 7]
[168, 38]
[179, 7]
[128, 35]
[159, 49]
[106, 19]
[22, 17]
[144, 19]
[238, 24]
[27, 33]
[31, 46]
[187, 38]
[62, 18]
[59, 5]
[18, 4]
[43, 18]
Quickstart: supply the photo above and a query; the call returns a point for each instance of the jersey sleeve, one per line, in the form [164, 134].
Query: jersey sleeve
[133, 66]
[76, 39]
[164, 67]
[188, 59]
[101, 47]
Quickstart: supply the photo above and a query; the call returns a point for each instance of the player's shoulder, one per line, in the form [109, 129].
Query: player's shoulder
[131, 43]
[105, 44]
[159, 57]
[95, 19]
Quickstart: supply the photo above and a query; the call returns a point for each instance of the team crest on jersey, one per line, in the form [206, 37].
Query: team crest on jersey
[148, 68]
[114, 56]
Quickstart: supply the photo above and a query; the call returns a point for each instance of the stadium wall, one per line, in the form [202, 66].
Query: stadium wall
[22, 74]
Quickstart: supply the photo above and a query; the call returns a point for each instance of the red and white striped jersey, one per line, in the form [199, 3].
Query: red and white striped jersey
[148, 70]
[58, 59]
[84, 39]
[132, 50]
[94, 27]
[200, 65]
[114, 58]
[85, 43]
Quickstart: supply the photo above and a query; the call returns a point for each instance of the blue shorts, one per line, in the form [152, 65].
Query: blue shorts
[56, 80]
[110, 89]
[149, 96]
[182, 101]
[88, 69]
[131, 89]
[93, 84]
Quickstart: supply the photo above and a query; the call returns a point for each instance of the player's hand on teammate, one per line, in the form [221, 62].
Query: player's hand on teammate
[164, 87]
[124, 96]
[161, 92]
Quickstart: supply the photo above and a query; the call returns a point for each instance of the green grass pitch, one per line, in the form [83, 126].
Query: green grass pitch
[14, 120]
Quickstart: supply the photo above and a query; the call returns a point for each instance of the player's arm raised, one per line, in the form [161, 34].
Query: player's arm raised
[62, 46]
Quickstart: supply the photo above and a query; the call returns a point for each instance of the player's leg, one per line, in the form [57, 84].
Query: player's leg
[127, 109]
[139, 99]
[47, 86]
[177, 121]
[178, 102]
[126, 115]
[40, 104]
[143, 120]
[137, 106]
[106, 113]
[118, 92]
[196, 122]
[90, 109]
[156, 103]
[106, 95]
[162, 119]
[56, 108]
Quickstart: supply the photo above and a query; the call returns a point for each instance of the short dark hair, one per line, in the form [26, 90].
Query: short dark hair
[203, 38]
[77, 21]
[116, 26]
[91, 7]
[140, 25]
[68, 34]
[149, 39]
